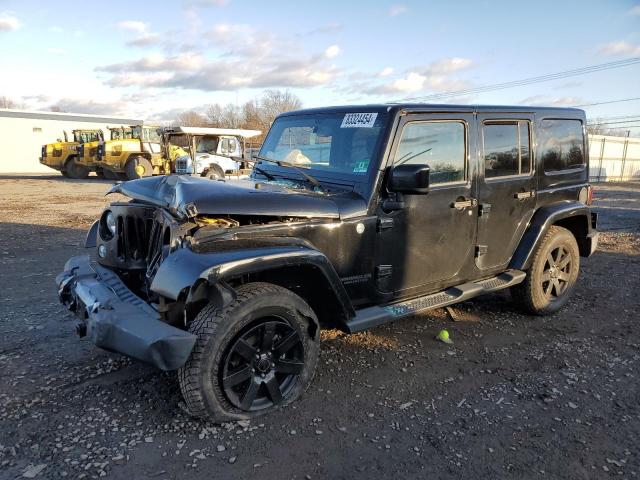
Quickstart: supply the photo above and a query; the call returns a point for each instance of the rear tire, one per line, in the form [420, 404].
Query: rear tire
[75, 170]
[138, 167]
[553, 273]
[257, 354]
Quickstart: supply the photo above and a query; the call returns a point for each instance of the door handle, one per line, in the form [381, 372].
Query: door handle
[523, 195]
[461, 203]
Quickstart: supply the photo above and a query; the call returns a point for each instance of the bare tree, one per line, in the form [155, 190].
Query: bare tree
[192, 118]
[228, 116]
[256, 114]
[6, 102]
[599, 127]
[275, 102]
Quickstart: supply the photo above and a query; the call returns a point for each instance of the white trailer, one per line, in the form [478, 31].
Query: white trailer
[23, 132]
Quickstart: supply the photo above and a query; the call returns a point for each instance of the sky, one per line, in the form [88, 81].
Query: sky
[153, 60]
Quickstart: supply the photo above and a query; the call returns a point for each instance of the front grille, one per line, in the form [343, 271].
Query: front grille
[159, 239]
[133, 237]
[182, 165]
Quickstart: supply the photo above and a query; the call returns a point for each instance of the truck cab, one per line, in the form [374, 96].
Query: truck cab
[353, 217]
[217, 151]
[88, 150]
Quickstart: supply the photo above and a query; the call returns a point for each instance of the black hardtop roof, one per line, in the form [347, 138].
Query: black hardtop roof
[434, 107]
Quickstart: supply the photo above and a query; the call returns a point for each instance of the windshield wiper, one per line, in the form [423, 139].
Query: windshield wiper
[402, 159]
[282, 163]
[264, 172]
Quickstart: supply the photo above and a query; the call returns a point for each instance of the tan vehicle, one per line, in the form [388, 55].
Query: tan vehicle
[132, 153]
[63, 155]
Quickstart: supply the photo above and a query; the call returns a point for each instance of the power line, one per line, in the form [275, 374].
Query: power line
[610, 101]
[616, 123]
[528, 81]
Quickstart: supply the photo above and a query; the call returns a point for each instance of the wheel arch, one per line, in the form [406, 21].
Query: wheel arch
[574, 216]
[196, 279]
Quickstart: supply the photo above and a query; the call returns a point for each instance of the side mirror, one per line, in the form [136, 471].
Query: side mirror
[409, 178]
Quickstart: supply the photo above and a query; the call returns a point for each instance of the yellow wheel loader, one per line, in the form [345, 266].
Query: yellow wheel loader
[63, 155]
[133, 152]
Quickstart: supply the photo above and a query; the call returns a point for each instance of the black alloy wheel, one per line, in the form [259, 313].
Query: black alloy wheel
[557, 273]
[262, 365]
[553, 273]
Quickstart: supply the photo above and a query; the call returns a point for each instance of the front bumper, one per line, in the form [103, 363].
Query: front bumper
[116, 319]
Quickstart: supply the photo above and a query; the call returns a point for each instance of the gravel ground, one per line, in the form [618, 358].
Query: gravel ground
[514, 397]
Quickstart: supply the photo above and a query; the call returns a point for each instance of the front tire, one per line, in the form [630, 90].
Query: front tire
[553, 274]
[256, 355]
[214, 172]
[138, 167]
[75, 170]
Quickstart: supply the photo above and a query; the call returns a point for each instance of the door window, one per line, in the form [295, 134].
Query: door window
[439, 144]
[506, 149]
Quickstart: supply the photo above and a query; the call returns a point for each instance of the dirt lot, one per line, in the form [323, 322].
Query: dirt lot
[514, 397]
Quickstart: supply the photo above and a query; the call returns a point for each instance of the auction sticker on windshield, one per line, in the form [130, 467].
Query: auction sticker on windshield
[359, 120]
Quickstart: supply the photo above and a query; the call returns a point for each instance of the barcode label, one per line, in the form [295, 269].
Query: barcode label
[359, 120]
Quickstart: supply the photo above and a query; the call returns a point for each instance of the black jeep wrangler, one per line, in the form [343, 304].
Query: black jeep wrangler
[353, 217]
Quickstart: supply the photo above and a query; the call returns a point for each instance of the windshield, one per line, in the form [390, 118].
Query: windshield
[120, 133]
[207, 145]
[333, 142]
[86, 137]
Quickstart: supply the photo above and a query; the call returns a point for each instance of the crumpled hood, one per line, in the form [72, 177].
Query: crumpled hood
[180, 193]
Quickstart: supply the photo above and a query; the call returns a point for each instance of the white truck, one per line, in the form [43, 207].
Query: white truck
[216, 150]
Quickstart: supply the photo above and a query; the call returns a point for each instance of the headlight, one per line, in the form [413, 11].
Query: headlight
[110, 221]
[107, 225]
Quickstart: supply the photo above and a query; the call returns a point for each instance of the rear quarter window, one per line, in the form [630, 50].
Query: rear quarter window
[561, 144]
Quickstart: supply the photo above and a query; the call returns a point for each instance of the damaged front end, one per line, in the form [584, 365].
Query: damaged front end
[157, 258]
[115, 319]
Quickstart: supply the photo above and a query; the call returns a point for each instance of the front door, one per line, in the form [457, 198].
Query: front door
[433, 233]
[506, 191]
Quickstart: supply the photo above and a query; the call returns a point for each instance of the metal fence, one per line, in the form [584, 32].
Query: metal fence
[614, 159]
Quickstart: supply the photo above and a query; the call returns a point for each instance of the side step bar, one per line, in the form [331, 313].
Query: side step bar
[373, 316]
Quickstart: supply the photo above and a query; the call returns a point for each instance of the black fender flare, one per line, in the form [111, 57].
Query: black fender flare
[544, 218]
[91, 240]
[200, 274]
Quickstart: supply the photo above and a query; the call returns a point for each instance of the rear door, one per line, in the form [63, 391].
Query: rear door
[506, 193]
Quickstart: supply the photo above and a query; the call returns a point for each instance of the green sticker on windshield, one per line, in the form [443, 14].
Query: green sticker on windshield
[360, 167]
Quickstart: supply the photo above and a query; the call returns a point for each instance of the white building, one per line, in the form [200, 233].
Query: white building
[22, 134]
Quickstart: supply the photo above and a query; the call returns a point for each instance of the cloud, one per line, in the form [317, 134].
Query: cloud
[437, 76]
[145, 40]
[55, 29]
[132, 26]
[332, 51]
[447, 66]
[9, 23]
[620, 48]
[191, 71]
[91, 107]
[397, 9]
[635, 10]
